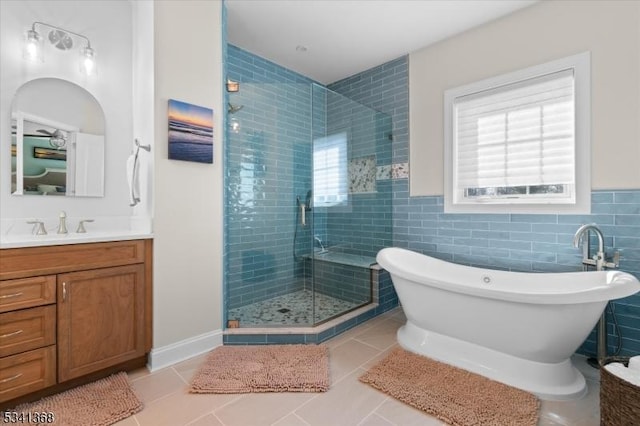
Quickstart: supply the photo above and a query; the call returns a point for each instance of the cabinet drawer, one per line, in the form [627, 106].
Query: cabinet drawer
[27, 329]
[30, 261]
[27, 292]
[27, 372]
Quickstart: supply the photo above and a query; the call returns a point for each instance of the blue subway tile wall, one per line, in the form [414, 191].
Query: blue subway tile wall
[384, 88]
[344, 282]
[522, 242]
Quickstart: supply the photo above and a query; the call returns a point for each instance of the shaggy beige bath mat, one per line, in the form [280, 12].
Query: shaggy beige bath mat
[265, 368]
[453, 395]
[100, 403]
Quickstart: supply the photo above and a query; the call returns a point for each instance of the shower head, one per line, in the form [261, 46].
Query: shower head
[232, 109]
[308, 198]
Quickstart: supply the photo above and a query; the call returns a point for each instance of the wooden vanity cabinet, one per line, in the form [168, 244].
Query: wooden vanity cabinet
[72, 312]
[100, 319]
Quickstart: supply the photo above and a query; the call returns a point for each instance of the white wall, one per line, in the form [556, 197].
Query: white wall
[108, 24]
[143, 112]
[187, 199]
[188, 196]
[545, 31]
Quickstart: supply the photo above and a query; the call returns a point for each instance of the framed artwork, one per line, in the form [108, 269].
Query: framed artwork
[49, 154]
[190, 132]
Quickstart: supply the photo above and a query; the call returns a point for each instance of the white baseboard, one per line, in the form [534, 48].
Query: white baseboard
[185, 349]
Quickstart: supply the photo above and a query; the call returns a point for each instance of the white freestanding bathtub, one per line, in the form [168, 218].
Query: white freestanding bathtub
[513, 327]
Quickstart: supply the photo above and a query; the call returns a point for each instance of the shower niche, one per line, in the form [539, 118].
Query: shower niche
[308, 198]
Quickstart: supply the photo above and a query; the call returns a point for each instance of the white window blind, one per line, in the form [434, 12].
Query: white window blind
[516, 141]
[330, 186]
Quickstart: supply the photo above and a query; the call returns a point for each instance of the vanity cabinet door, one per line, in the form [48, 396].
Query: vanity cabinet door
[100, 319]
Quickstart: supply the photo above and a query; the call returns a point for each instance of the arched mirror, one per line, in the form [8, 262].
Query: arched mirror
[57, 140]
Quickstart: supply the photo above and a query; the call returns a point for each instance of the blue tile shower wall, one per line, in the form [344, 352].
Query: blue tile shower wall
[344, 282]
[541, 243]
[384, 88]
[268, 165]
[364, 227]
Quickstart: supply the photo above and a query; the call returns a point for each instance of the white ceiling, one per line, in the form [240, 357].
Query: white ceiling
[345, 37]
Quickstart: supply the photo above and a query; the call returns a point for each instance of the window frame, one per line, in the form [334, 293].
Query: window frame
[580, 63]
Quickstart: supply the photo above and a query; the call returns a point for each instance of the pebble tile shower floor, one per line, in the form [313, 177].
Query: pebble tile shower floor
[295, 308]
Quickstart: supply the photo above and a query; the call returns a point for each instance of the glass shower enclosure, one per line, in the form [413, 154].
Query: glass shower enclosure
[308, 203]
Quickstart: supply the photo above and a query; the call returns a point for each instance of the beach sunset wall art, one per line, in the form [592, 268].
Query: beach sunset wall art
[190, 132]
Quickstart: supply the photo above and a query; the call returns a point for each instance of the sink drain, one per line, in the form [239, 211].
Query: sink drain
[284, 310]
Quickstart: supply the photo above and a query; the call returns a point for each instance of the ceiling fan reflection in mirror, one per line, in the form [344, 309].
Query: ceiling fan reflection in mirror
[57, 138]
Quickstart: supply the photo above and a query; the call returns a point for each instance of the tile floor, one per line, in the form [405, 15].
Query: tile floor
[347, 403]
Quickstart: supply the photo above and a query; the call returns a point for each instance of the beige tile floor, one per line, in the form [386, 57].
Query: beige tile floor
[347, 403]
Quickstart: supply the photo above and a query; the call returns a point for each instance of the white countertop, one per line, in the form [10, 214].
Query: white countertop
[28, 240]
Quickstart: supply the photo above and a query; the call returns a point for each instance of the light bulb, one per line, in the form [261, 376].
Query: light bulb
[88, 61]
[33, 46]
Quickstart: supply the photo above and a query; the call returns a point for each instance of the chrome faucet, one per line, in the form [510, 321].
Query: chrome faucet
[322, 247]
[598, 260]
[81, 229]
[62, 226]
[38, 227]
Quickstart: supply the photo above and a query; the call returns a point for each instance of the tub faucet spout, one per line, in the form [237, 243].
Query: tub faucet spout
[598, 260]
[319, 241]
[582, 236]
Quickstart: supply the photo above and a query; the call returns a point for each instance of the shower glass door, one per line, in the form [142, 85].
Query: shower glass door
[267, 178]
[351, 157]
[307, 202]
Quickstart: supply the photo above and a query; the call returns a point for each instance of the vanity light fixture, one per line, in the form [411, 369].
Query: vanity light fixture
[62, 39]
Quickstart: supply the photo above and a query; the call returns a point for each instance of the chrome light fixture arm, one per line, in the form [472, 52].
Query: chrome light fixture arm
[64, 31]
